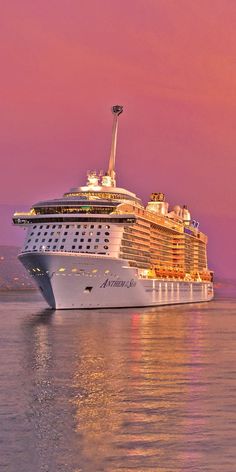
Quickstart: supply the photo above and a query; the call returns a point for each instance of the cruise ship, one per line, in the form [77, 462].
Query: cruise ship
[98, 246]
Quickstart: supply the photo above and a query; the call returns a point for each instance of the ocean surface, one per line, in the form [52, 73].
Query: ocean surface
[130, 390]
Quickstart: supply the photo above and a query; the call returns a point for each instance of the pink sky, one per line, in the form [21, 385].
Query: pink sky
[171, 63]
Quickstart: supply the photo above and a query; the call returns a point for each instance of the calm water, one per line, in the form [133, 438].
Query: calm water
[117, 390]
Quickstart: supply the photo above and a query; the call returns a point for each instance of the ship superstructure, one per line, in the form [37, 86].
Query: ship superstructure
[98, 246]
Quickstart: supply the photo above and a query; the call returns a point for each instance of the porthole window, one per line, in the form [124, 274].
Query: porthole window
[99, 232]
[50, 240]
[99, 226]
[63, 240]
[34, 247]
[34, 227]
[26, 247]
[47, 226]
[89, 240]
[75, 240]
[32, 234]
[61, 247]
[87, 247]
[45, 234]
[65, 233]
[43, 240]
[38, 234]
[73, 247]
[78, 226]
[96, 247]
[36, 240]
[56, 240]
[105, 247]
[40, 227]
[52, 233]
[83, 233]
[92, 226]
[54, 247]
[107, 233]
[29, 240]
[80, 247]
[54, 226]
[59, 226]
[107, 226]
[97, 240]
[67, 226]
[77, 232]
[106, 240]
[82, 240]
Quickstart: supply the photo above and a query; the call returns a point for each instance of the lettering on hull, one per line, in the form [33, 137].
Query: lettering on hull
[118, 283]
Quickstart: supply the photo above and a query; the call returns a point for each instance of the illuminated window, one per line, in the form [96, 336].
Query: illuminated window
[91, 233]
[74, 269]
[107, 271]
[62, 269]
[107, 226]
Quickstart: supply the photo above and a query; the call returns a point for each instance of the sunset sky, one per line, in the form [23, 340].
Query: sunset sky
[171, 63]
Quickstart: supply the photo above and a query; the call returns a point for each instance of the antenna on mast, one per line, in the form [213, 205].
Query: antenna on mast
[116, 110]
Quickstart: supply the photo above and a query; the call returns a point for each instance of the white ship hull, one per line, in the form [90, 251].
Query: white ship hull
[79, 281]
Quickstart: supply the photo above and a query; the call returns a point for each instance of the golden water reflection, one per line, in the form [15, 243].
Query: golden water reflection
[139, 377]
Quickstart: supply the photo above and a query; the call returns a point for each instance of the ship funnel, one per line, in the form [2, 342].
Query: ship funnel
[111, 175]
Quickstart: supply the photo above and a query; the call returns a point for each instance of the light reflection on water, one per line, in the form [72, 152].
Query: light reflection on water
[117, 390]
